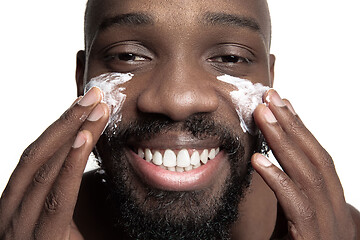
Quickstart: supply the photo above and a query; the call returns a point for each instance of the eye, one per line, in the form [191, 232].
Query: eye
[125, 57]
[230, 59]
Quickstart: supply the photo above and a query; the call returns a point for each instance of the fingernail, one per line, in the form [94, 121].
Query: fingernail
[274, 98]
[96, 114]
[91, 97]
[79, 140]
[269, 116]
[263, 161]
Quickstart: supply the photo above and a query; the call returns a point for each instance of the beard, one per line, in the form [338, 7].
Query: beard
[145, 212]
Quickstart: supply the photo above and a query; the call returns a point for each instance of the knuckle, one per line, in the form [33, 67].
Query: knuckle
[317, 183]
[307, 212]
[38, 232]
[71, 115]
[68, 168]
[326, 159]
[68, 115]
[52, 203]
[295, 126]
[284, 181]
[42, 175]
[30, 153]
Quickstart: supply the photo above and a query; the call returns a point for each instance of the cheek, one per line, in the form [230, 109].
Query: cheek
[112, 88]
[245, 98]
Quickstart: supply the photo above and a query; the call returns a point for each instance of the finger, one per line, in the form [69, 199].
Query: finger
[27, 211]
[296, 164]
[322, 187]
[68, 182]
[294, 127]
[290, 107]
[296, 130]
[60, 202]
[97, 120]
[300, 213]
[291, 158]
[58, 134]
[32, 203]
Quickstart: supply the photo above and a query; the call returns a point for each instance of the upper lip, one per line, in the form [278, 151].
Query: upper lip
[174, 140]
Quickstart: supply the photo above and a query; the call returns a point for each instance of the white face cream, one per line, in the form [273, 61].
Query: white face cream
[113, 96]
[246, 98]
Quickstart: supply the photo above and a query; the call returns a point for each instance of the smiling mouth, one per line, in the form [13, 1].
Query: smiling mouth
[174, 161]
[183, 160]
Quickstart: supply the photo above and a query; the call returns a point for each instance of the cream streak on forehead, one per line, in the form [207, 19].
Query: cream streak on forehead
[246, 98]
[113, 96]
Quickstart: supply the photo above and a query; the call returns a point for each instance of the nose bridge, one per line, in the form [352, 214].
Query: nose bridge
[178, 89]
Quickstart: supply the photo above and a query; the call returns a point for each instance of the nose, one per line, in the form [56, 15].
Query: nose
[178, 90]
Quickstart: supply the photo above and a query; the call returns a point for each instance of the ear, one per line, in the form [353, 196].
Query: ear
[80, 72]
[272, 69]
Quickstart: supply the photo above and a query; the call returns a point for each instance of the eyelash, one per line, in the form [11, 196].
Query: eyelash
[232, 59]
[126, 57]
[135, 59]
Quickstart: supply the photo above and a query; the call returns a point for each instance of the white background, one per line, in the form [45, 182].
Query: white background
[317, 68]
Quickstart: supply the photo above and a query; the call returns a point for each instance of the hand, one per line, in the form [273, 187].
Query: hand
[308, 190]
[40, 198]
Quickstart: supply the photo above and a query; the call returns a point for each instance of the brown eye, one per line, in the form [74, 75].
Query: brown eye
[126, 57]
[230, 59]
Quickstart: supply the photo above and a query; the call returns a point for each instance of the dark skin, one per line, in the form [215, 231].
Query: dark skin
[40, 199]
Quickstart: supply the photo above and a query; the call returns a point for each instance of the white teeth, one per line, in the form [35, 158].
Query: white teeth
[212, 154]
[183, 158]
[148, 155]
[157, 158]
[180, 162]
[188, 168]
[195, 158]
[197, 165]
[169, 159]
[217, 150]
[173, 169]
[204, 156]
[141, 153]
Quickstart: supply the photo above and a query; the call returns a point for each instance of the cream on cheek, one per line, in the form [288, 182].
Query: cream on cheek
[113, 95]
[246, 98]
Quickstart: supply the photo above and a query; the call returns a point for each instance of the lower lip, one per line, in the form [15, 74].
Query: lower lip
[195, 179]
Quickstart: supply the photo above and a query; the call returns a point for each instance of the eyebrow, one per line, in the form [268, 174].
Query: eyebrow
[210, 18]
[231, 20]
[130, 19]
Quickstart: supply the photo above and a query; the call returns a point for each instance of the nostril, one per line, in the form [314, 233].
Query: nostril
[178, 105]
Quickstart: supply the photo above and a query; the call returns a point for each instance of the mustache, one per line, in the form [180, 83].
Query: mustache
[200, 126]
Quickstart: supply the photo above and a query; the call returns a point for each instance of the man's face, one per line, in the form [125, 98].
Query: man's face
[176, 105]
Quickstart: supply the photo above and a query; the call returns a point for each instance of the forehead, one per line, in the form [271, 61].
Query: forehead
[178, 12]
